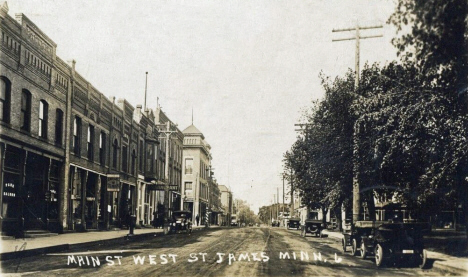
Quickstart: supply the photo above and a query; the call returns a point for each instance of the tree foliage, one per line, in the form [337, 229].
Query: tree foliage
[432, 34]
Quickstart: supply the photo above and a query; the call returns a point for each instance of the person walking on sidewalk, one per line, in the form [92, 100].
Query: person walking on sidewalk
[197, 218]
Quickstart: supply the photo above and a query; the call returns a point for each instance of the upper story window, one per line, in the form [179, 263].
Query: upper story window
[115, 152]
[102, 148]
[76, 135]
[90, 142]
[58, 126]
[189, 166]
[124, 159]
[133, 163]
[5, 99]
[25, 120]
[43, 118]
[141, 156]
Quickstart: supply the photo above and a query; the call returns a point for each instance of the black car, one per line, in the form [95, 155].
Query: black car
[181, 221]
[294, 223]
[389, 242]
[313, 227]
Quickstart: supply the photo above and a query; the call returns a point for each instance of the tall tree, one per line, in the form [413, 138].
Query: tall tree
[432, 34]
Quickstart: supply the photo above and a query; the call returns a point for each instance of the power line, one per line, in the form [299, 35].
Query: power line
[357, 37]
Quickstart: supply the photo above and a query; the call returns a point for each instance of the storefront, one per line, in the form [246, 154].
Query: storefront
[29, 189]
[85, 199]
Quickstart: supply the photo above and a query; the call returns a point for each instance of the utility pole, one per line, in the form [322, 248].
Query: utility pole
[167, 133]
[146, 86]
[292, 194]
[283, 194]
[277, 202]
[357, 37]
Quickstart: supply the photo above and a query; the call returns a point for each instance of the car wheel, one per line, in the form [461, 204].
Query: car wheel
[354, 247]
[363, 250]
[422, 258]
[343, 244]
[379, 255]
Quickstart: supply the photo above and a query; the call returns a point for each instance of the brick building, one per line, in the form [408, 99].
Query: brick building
[71, 158]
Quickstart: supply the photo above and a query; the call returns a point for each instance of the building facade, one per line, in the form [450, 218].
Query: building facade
[226, 204]
[195, 186]
[71, 158]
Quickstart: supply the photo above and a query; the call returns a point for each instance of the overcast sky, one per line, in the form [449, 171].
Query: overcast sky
[247, 68]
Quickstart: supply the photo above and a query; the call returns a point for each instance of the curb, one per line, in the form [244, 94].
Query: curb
[68, 246]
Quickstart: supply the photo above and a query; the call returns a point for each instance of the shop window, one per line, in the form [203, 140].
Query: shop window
[43, 118]
[25, 111]
[90, 142]
[5, 99]
[58, 127]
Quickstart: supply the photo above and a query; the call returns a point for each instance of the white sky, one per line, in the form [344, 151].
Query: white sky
[247, 68]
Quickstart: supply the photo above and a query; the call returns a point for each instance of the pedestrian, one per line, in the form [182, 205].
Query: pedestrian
[155, 218]
[197, 218]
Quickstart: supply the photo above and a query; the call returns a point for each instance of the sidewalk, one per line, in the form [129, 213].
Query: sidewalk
[442, 262]
[10, 249]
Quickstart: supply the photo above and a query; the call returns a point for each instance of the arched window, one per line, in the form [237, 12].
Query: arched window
[43, 118]
[5, 99]
[115, 152]
[25, 120]
[58, 126]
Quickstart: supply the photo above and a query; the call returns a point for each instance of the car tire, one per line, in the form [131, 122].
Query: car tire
[343, 245]
[354, 247]
[422, 259]
[363, 250]
[379, 255]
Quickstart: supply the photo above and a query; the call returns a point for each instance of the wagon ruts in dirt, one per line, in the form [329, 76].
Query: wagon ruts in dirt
[389, 242]
[314, 227]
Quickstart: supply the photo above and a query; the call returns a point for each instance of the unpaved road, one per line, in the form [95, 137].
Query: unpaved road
[215, 252]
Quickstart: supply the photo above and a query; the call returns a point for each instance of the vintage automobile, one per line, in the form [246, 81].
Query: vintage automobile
[275, 223]
[294, 223]
[313, 226]
[181, 221]
[389, 242]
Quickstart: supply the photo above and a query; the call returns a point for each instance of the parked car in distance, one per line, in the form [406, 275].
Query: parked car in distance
[294, 223]
[181, 222]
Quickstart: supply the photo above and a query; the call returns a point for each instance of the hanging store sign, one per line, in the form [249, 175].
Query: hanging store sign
[113, 182]
[162, 187]
[9, 190]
